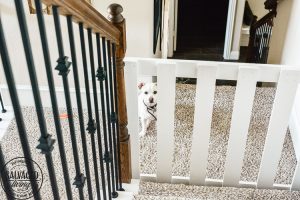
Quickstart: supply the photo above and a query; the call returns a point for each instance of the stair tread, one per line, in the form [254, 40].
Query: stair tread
[194, 192]
[150, 190]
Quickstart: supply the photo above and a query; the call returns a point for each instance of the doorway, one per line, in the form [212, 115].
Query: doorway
[201, 29]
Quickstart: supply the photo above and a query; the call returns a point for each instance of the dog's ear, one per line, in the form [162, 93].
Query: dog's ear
[141, 85]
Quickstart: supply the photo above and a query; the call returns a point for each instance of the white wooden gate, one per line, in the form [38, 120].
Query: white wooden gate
[247, 75]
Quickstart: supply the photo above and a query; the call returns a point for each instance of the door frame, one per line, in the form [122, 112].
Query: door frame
[232, 35]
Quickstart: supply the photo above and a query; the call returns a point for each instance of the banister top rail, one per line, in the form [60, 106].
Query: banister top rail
[85, 13]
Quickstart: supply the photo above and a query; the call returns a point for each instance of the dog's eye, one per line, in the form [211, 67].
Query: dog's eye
[146, 92]
[154, 92]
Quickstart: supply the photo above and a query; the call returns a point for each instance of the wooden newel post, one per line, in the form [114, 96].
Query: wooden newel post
[118, 20]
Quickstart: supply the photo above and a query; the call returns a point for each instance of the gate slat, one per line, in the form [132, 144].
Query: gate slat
[131, 84]
[241, 116]
[285, 95]
[165, 120]
[296, 179]
[206, 80]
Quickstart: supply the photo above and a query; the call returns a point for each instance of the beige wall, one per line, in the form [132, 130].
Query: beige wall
[281, 24]
[139, 22]
[291, 50]
[16, 51]
[139, 19]
[258, 8]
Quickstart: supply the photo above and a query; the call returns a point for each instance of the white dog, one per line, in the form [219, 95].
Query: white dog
[147, 101]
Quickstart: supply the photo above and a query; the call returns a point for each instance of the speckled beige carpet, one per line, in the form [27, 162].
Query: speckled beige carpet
[223, 105]
[11, 147]
[183, 132]
[159, 191]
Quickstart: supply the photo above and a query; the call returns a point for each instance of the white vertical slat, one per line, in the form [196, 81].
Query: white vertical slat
[204, 100]
[131, 86]
[241, 115]
[165, 120]
[296, 179]
[285, 95]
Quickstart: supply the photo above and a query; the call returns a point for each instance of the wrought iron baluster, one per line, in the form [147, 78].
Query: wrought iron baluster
[113, 117]
[101, 76]
[106, 59]
[96, 111]
[46, 143]
[4, 177]
[91, 125]
[17, 110]
[63, 68]
[114, 68]
[51, 85]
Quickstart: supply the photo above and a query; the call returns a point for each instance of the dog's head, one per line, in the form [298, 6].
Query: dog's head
[148, 93]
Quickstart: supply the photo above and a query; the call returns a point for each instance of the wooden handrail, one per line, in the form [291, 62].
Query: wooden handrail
[264, 19]
[85, 13]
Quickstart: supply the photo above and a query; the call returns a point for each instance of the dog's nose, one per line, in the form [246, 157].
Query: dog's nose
[151, 99]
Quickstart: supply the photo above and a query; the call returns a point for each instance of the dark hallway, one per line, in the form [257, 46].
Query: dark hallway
[201, 29]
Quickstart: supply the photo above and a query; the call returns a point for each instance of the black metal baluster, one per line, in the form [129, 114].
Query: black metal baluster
[4, 177]
[91, 125]
[96, 113]
[101, 76]
[2, 105]
[114, 68]
[51, 85]
[107, 100]
[46, 143]
[17, 110]
[113, 117]
[63, 68]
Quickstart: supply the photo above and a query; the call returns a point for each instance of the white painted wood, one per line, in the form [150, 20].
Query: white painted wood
[206, 80]
[296, 178]
[229, 28]
[131, 87]
[283, 103]
[171, 28]
[148, 177]
[175, 25]
[180, 180]
[214, 182]
[165, 120]
[241, 115]
[166, 25]
[226, 71]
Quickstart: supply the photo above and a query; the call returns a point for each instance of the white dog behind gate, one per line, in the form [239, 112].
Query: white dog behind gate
[147, 101]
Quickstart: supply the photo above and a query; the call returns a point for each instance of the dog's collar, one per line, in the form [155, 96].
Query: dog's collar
[151, 108]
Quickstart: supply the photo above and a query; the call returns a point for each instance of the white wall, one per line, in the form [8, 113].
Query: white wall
[139, 23]
[291, 56]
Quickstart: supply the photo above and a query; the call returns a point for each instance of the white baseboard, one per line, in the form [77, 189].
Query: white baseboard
[234, 55]
[26, 96]
[295, 132]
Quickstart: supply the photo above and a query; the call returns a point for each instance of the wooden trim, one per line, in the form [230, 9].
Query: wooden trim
[85, 13]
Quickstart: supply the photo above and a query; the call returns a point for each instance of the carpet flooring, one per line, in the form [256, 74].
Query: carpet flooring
[157, 191]
[185, 95]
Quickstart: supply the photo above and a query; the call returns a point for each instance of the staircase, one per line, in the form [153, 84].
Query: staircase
[162, 191]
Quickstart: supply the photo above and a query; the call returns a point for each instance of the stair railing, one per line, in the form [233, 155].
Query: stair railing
[113, 166]
[260, 35]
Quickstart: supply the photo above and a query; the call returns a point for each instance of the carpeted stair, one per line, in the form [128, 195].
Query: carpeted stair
[157, 191]
[185, 95]
[220, 127]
